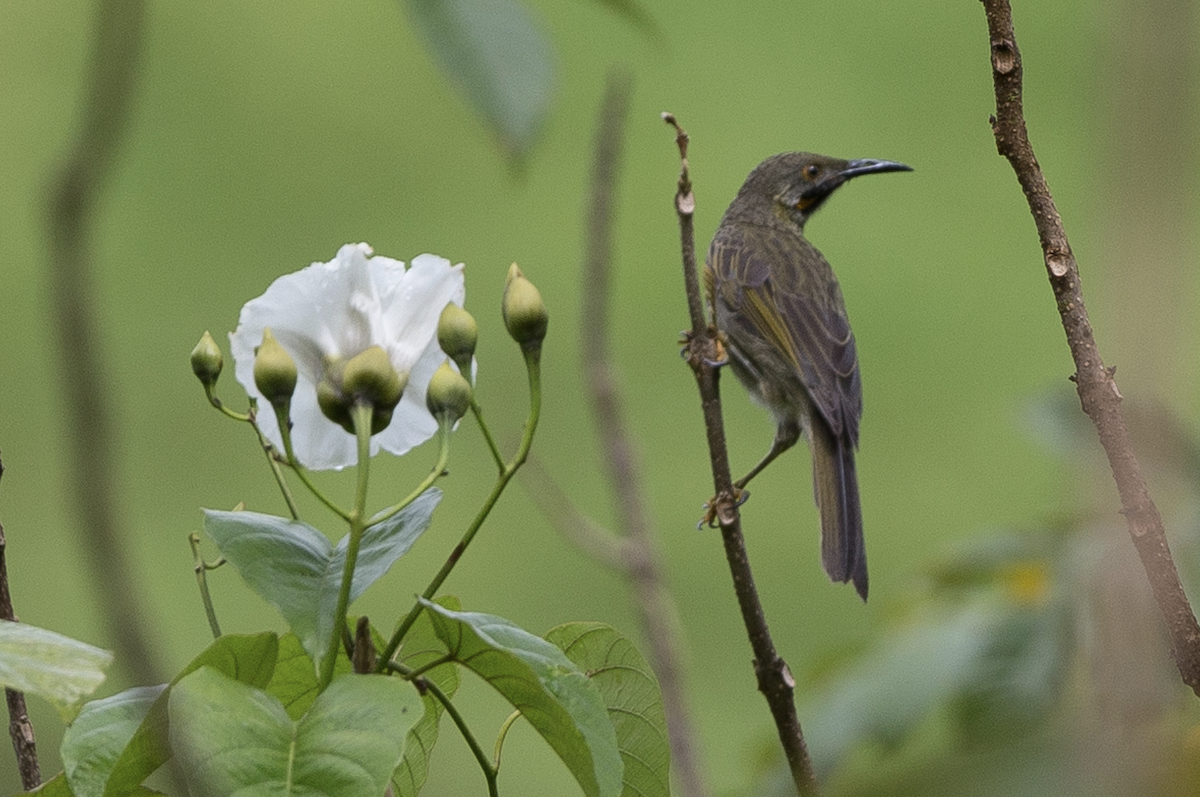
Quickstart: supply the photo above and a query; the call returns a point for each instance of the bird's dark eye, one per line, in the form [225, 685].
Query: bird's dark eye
[811, 171]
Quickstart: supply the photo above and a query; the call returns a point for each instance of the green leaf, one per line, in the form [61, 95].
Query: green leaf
[495, 53]
[634, 702]
[536, 677]
[239, 740]
[421, 647]
[247, 658]
[55, 667]
[93, 743]
[57, 787]
[296, 569]
[295, 681]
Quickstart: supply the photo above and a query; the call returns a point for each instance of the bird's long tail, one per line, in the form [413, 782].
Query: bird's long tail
[835, 487]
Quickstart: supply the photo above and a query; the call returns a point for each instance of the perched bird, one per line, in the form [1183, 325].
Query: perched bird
[780, 313]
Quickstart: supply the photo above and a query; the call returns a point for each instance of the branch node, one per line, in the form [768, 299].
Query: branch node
[1004, 56]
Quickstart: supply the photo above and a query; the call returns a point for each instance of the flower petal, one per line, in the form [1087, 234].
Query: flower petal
[331, 311]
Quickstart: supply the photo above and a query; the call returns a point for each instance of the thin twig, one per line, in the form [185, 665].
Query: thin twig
[75, 192]
[1097, 388]
[775, 680]
[639, 561]
[20, 729]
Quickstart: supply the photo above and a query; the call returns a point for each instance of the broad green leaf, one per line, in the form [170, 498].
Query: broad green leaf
[295, 681]
[39, 662]
[495, 53]
[93, 743]
[57, 787]
[296, 569]
[634, 702]
[553, 695]
[246, 658]
[234, 739]
[422, 646]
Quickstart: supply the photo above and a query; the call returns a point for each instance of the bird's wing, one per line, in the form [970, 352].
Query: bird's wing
[810, 325]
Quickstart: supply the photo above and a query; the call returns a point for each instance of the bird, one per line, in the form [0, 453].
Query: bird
[782, 320]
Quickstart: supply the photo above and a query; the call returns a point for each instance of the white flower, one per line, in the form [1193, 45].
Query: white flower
[332, 311]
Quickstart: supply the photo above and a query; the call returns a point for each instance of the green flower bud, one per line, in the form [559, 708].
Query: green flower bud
[334, 403]
[370, 376]
[448, 394]
[207, 360]
[274, 370]
[457, 334]
[366, 378]
[524, 311]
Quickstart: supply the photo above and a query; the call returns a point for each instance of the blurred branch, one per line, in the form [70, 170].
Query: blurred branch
[775, 680]
[75, 192]
[635, 556]
[1097, 388]
[20, 729]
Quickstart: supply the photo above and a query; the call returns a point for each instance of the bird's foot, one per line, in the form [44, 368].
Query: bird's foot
[719, 510]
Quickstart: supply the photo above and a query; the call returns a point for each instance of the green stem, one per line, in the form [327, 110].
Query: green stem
[285, 432]
[533, 366]
[500, 737]
[201, 567]
[439, 468]
[361, 413]
[489, 772]
[477, 411]
[220, 405]
[276, 468]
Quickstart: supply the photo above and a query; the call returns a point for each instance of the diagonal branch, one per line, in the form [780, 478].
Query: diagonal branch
[1097, 388]
[775, 680]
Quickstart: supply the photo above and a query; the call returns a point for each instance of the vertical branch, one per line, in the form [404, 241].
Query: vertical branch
[638, 558]
[20, 729]
[1097, 388]
[75, 192]
[775, 680]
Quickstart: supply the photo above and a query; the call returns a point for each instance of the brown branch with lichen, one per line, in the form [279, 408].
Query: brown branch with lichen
[775, 680]
[1097, 387]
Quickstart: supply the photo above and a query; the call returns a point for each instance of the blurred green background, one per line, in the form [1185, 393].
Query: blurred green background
[267, 134]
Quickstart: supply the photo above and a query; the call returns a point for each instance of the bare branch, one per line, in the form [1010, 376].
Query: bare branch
[638, 558]
[775, 680]
[20, 729]
[1097, 388]
[74, 194]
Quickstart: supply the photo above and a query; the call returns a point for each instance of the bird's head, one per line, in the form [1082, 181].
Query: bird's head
[797, 183]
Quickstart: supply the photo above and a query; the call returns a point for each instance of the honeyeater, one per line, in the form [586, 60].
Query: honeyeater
[780, 313]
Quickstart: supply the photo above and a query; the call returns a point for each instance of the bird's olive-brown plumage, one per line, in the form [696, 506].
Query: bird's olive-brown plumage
[780, 310]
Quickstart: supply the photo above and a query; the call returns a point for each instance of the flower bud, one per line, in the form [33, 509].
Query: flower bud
[448, 394]
[457, 334]
[274, 370]
[334, 403]
[524, 311]
[370, 376]
[207, 360]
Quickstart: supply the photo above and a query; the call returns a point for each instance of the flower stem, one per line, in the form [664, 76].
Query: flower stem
[439, 468]
[361, 413]
[487, 433]
[276, 468]
[533, 366]
[285, 432]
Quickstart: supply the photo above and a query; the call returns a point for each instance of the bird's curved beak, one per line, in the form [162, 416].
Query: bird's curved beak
[870, 166]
